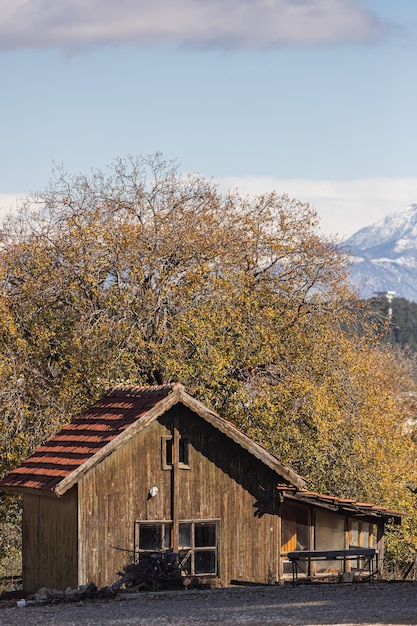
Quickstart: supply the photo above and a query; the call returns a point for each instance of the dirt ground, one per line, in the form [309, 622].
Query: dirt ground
[381, 603]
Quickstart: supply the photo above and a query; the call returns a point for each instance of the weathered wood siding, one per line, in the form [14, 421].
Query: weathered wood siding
[112, 496]
[226, 482]
[223, 482]
[50, 541]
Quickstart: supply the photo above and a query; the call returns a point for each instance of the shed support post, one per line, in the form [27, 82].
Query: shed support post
[380, 548]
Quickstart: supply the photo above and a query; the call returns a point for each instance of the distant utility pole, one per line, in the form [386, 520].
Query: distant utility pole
[389, 295]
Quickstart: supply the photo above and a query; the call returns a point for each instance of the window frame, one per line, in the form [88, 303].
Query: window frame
[365, 532]
[184, 453]
[190, 552]
[185, 552]
[165, 527]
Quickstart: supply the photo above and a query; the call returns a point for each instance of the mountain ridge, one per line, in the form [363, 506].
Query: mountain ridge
[384, 255]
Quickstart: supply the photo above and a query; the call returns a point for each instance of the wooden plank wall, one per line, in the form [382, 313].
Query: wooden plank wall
[50, 541]
[226, 482]
[115, 494]
[223, 481]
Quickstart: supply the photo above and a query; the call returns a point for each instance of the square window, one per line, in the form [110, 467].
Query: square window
[152, 536]
[198, 543]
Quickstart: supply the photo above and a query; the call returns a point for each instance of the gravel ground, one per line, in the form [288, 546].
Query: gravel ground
[317, 604]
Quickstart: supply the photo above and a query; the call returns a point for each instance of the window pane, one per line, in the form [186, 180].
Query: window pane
[185, 536]
[373, 536]
[167, 536]
[183, 451]
[205, 535]
[288, 534]
[330, 535]
[185, 561]
[205, 562]
[330, 531]
[168, 451]
[150, 537]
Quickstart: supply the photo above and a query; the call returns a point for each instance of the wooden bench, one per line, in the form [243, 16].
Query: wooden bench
[301, 560]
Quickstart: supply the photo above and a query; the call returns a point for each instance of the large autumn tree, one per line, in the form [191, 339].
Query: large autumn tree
[148, 276]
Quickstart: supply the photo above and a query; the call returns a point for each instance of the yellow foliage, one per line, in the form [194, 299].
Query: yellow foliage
[147, 276]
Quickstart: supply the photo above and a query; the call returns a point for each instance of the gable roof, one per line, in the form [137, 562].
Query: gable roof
[64, 458]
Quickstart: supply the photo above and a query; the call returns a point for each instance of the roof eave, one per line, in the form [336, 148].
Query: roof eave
[34, 491]
[353, 508]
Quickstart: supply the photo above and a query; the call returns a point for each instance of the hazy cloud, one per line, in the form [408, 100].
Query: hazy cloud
[76, 24]
[343, 206]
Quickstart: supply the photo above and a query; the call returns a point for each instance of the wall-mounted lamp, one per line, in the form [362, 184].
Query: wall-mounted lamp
[153, 491]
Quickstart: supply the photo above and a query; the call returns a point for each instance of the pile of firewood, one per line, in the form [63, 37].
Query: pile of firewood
[155, 571]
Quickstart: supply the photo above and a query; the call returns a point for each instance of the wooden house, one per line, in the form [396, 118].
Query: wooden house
[152, 468]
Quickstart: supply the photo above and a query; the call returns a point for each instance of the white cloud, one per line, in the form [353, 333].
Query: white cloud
[9, 203]
[74, 24]
[343, 206]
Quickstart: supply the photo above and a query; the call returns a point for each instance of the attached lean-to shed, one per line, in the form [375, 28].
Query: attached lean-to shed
[152, 468]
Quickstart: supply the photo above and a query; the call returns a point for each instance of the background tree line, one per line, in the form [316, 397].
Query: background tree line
[148, 276]
[400, 323]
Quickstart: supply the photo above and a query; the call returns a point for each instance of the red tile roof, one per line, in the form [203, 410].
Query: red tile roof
[87, 434]
[341, 504]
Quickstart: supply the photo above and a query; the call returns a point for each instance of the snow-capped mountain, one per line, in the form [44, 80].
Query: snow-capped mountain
[385, 255]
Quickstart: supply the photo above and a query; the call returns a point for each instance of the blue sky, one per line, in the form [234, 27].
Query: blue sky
[314, 98]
